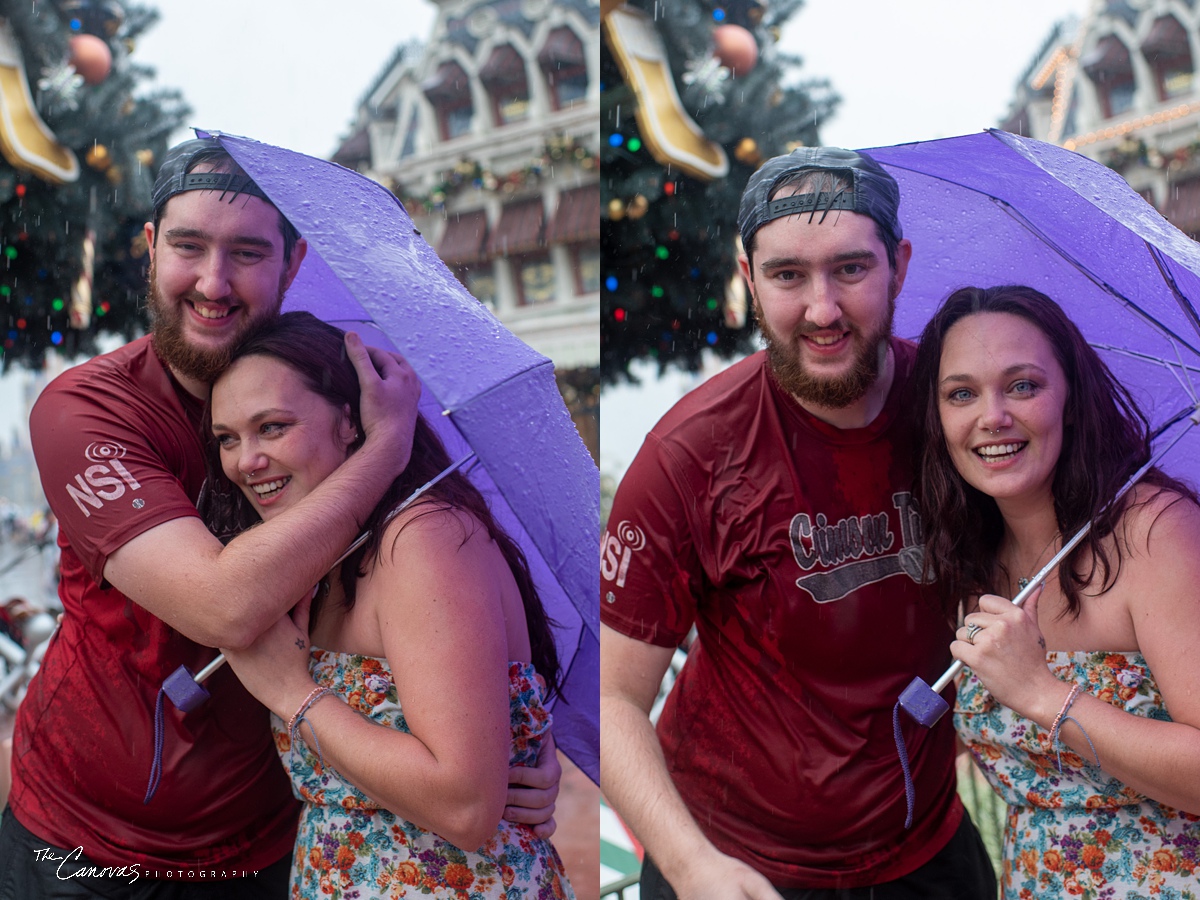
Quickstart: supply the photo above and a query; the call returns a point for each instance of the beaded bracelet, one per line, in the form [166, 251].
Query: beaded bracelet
[317, 693]
[294, 725]
[1063, 716]
[1071, 695]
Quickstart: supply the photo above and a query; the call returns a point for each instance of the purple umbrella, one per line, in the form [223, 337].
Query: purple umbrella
[995, 208]
[486, 392]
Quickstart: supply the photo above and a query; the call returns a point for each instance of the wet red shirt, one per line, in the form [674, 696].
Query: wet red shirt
[118, 449]
[794, 548]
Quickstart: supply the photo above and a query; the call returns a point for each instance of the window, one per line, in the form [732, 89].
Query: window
[504, 77]
[587, 268]
[576, 223]
[410, 137]
[519, 230]
[450, 93]
[562, 62]
[534, 275]
[480, 281]
[1169, 53]
[1109, 67]
[462, 248]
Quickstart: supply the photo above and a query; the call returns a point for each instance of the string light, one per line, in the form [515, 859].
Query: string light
[1132, 125]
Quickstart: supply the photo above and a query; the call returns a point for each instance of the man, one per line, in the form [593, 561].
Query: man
[771, 508]
[146, 588]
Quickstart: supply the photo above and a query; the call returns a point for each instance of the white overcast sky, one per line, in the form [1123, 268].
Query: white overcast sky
[288, 73]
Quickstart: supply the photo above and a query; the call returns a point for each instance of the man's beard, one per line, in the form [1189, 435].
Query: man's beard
[172, 346]
[837, 392]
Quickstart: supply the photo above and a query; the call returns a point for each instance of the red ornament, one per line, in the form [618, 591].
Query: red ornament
[669, 189]
[735, 48]
[90, 57]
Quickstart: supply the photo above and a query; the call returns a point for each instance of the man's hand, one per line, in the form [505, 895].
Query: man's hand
[390, 391]
[532, 792]
[722, 877]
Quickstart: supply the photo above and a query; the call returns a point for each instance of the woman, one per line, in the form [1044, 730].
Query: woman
[430, 638]
[1028, 437]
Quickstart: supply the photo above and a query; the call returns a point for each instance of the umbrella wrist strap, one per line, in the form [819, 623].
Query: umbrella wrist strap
[156, 766]
[910, 791]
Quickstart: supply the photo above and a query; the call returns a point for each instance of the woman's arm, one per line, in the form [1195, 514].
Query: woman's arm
[436, 590]
[1160, 575]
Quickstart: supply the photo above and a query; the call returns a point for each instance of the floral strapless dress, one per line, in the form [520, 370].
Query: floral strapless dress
[350, 849]
[1082, 833]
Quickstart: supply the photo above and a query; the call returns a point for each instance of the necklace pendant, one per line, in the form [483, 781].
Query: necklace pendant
[1022, 583]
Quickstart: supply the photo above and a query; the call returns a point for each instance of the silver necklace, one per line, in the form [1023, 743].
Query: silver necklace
[1023, 583]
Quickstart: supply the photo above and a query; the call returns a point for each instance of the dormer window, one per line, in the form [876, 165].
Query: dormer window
[562, 61]
[1169, 53]
[450, 93]
[1109, 68]
[504, 77]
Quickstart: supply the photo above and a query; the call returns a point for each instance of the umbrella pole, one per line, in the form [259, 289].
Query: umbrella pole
[355, 544]
[924, 702]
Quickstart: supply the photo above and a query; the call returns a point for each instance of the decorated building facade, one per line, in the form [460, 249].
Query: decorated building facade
[1119, 85]
[489, 135]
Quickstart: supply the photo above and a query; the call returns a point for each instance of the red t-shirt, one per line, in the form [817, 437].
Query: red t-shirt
[117, 443]
[794, 548]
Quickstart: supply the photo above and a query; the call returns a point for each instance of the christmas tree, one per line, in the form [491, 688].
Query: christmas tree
[79, 144]
[693, 98]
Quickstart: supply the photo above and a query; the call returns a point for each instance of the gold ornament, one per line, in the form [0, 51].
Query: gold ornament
[793, 145]
[115, 175]
[747, 152]
[616, 210]
[638, 207]
[98, 158]
[145, 157]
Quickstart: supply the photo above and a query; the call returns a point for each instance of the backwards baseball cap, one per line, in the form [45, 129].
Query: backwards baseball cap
[174, 177]
[873, 192]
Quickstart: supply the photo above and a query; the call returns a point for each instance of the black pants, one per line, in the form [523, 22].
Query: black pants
[32, 869]
[961, 870]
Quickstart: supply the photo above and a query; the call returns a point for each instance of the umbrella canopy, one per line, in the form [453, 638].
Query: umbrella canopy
[994, 208]
[485, 391]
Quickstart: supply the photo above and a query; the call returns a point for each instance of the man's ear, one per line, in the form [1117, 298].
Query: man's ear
[149, 229]
[747, 271]
[903, 255]
[293, 266]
